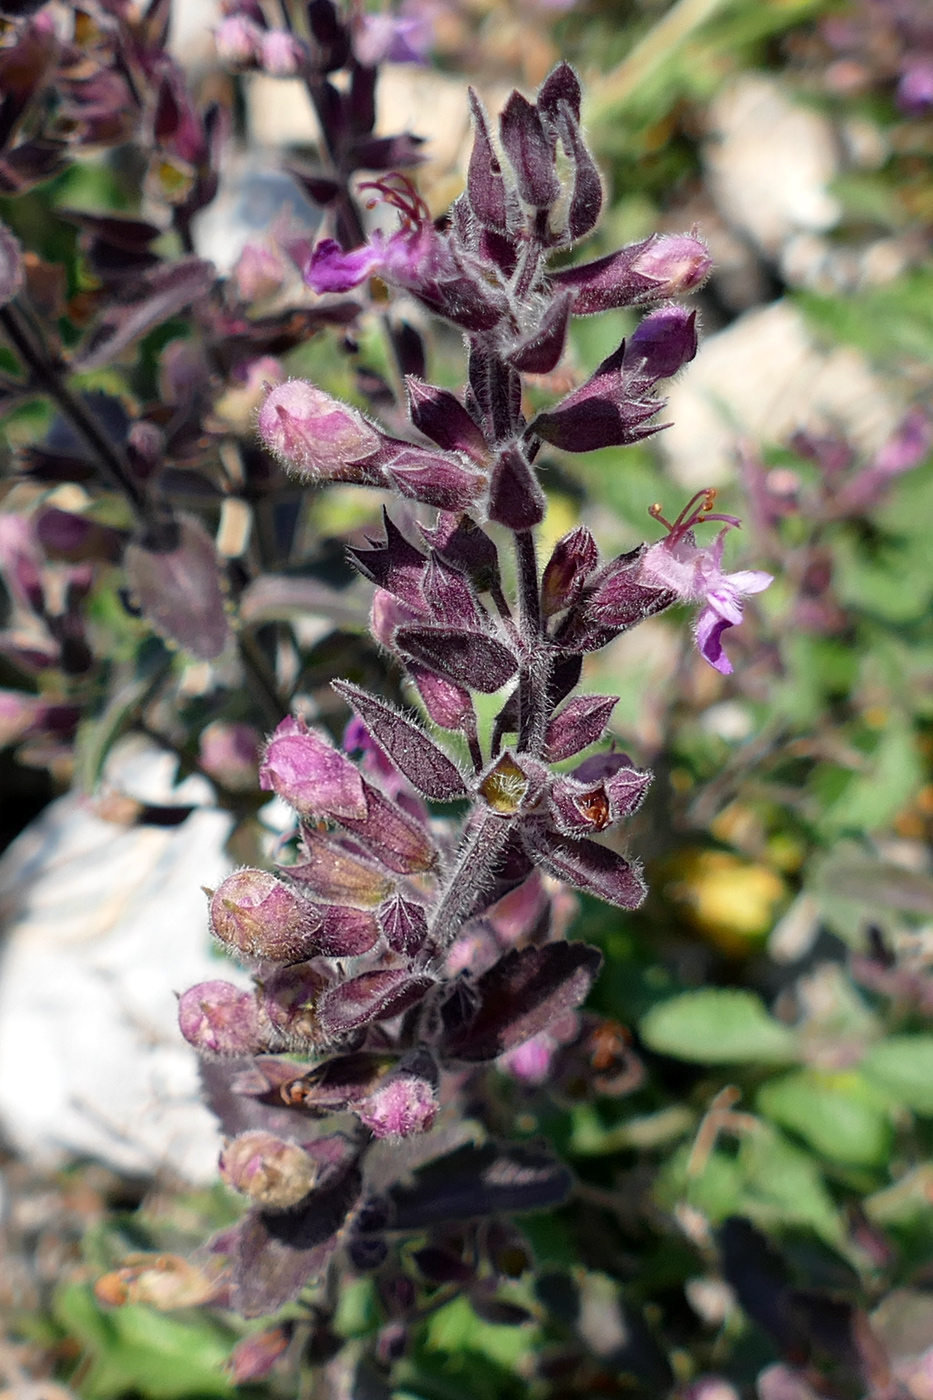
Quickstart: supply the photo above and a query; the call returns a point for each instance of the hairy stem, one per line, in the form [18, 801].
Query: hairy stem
[535, 670]
[476, 860]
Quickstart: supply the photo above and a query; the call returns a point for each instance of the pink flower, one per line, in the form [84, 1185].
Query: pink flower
[695, 574]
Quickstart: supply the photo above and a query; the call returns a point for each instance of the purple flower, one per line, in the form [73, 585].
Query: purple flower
[391, 38]
[679, 565]
[310, 774]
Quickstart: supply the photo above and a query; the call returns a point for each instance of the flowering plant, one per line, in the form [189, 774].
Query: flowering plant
[398, 952]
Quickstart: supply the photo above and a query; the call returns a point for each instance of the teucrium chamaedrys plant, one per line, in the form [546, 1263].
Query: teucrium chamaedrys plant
[402, 951]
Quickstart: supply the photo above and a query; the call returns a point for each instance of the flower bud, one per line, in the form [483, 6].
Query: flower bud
[218, 1019]
[313, 432]
[663, 343]
[574, 558]
[289, 1000]
[272, 1172]
[530, 1062]
[405, 1102]
[238, 41]
[282, 55]
[677, 262]
[310, 775]
[256, 916]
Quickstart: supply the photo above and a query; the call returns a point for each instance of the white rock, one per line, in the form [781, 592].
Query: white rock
[765, 376]
[769, 161]
[104, 924]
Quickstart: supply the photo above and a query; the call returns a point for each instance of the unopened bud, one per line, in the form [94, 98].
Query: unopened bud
[219, 1019]
[403, 1105]
[310, 775]
[313, 432]
[574, 558]
[677, 262]
[256, 916]
[238, 41]
[663, 343]
[274, 1173]
[282, 54]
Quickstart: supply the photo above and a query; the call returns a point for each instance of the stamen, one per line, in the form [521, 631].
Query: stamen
[398, 191]
[697, 510]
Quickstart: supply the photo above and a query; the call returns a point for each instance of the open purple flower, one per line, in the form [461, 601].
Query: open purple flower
[695, 575]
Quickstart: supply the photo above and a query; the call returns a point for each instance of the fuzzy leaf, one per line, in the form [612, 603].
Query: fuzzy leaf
[467, 658]
[423, 762]
[522, 994]
[478, 1181]
[595, 869]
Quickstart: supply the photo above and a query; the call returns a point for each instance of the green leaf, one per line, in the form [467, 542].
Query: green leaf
[718, 1026]
[457, 1329]
[902, 1066]
[136, 1348]
[839, 1115]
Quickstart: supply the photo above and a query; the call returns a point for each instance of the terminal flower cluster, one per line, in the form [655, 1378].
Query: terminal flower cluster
[414, 933]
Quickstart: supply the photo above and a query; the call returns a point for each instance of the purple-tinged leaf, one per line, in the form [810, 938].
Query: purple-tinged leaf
[373, 996]
[331, 873]
[469, 659]
[433, 479]
[592, 868]
[448, 705]
[515, 498]
[586, 202]
[522, 994]
[540, 352]
[486, 189]
[561, 86]
[529, 152]
[257, 917]
[347, 932]
[580, 723]
[11, 265]
[158, 295]
[399, 842]
[663, 343]
[574, 558]
[449, 597]
[656, 268]
[276, 1255]
[478, 1181]
[405, 925]
[394, 565]
[460, 542]
[178, 589]
[423, 762]
[441, 416]
[311, 775]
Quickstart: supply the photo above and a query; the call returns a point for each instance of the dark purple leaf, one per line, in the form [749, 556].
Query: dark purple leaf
[423, 762]
[582, 722]
[479, 1181]
[485, 183]
[405, 925]
[332, 873]
[398, 841]
[373, 996]
[586, 202]
[595, 869]
[467, 658]
[560, 86]
[461, 543]
[401, 152]
[529, 152]
[179, 590]
[394, 564]
[515, 498]
[276, 1254]
[441, 416]
[540, 352]
[434, 479]
[523, 994]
